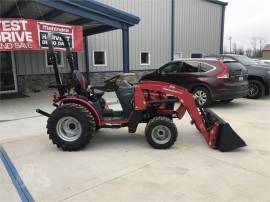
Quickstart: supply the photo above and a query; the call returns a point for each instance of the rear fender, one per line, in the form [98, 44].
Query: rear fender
[86, 104]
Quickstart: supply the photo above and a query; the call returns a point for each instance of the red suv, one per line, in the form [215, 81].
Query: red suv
[208, 79]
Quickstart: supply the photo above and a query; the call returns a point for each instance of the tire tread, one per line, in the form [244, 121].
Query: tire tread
[65, 109]
[155, 121]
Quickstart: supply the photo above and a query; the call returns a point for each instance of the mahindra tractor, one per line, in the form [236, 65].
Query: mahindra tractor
[81, 110]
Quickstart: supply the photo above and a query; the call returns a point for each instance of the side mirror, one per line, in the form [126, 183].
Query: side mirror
[158, 71]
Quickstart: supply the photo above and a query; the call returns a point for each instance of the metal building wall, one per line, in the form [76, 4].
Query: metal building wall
[197, 27]
[33, 62]
[197, 30]
[152, 34]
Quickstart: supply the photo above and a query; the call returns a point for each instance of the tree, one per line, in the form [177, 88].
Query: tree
[262, 42]
[248, 52]
[241, 50]
[234, 48]
[255, 42]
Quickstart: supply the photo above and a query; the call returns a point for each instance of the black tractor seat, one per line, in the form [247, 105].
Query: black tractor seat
[98, 93]
[125, 94]
[81, 85]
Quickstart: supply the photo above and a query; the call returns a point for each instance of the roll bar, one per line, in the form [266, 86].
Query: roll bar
[52, 58]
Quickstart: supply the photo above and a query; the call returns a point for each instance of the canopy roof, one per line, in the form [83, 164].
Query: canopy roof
[95, 17]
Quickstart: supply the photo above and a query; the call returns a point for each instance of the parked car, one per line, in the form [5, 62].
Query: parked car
[260, 62]
[258, 75]
[208, 79]
[266, 62]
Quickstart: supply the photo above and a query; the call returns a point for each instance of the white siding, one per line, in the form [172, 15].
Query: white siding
[152, 35]
[197, 27]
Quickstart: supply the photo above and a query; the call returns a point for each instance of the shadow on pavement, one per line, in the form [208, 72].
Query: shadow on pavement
[231, 104]
[105, 139]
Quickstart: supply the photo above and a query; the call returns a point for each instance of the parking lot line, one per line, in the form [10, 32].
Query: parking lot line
[180, 146]
[15, 177]
[17, 119]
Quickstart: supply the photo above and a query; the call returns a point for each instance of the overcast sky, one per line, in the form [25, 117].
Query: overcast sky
[246, 19]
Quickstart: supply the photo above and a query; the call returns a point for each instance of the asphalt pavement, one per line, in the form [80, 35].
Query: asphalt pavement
[118, 166]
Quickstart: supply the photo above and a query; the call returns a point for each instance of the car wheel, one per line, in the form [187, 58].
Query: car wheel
[256, 89]
[203, 96]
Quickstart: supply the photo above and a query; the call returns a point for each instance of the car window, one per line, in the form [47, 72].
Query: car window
[190, 67]
[170, 68]
[234, 65]
[206, 67]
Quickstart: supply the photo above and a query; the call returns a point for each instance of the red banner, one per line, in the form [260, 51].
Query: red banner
[21, 34]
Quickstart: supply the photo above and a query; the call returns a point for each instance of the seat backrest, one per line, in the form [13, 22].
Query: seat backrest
[80, 82]
[125, 94]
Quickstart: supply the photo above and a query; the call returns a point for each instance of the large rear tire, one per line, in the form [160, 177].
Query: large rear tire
[71, 127]
[161, 132]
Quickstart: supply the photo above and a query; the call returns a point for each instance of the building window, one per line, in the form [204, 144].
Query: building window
[59, 59]
[196, 55]
[145, 58]
[99, 58]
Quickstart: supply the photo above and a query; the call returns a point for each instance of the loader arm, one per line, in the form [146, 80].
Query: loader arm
[187, 103]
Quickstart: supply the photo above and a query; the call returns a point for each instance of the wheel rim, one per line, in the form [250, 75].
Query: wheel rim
[161, 134]
[201, 97]
[253, 90]
[69, 129]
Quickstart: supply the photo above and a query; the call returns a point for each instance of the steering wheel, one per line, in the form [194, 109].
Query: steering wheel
[111, 82]
[111, 79]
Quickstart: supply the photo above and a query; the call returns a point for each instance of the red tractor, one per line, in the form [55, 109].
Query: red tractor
[79, 114]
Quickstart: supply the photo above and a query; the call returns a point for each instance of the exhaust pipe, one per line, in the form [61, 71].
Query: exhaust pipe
[43, 113]
[227, 139]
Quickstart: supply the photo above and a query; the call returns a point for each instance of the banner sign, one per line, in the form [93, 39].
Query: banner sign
[28, 34]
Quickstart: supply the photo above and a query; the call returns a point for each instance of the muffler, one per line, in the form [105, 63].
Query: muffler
[43, 112]
[226, 138]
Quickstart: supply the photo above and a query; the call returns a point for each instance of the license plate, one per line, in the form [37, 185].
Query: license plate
[241, 78]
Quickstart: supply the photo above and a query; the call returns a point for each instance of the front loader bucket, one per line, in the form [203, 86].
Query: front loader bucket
[227, 138]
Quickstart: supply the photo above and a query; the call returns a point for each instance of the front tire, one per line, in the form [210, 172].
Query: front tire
[161, 132]
[256, 89]
[71, 127]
